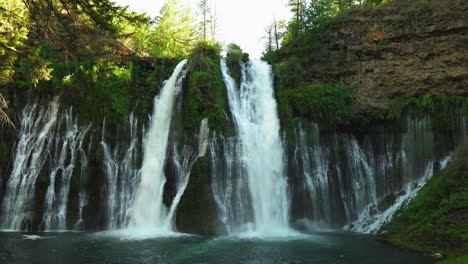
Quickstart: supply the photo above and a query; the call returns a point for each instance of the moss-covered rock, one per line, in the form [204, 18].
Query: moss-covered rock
[386, 202]
[197, 211]
[234, 57]
[204, 95]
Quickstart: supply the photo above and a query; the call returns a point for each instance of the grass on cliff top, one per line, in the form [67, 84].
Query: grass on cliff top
[437, 219]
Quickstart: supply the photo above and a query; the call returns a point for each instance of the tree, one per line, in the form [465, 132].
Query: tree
[279, 31]
[13, 34]
[269, 38]
[74, 25]
[4, 119]
[275, 32]
[205, 11]
[174, 35]
[208, 20]
[213, 21]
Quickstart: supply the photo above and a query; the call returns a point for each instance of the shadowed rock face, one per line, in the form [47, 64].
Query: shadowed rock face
[402, 49]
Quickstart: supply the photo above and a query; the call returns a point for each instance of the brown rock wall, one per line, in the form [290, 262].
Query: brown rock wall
[403, 49]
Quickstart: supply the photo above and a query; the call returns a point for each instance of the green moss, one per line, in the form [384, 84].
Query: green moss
[435, 221]
[204, 95]
[388, 201]
[325, 103]
[197, 211]
[234, 57]
[455, 260]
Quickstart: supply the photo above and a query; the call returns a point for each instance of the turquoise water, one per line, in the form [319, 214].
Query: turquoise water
[90, 248]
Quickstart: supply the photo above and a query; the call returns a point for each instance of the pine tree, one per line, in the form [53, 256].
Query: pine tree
[174, 35]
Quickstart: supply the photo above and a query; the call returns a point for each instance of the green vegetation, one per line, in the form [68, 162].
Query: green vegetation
[305, 88]
[234, 57]
[435, 221]
[388, 201]
[175, 32]
[197, 211]
[204, 96]
[326, 103]
[455, 260]
[101, 58]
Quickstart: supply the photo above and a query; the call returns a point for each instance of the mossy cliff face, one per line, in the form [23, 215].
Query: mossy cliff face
[203, 97]
[401, 49]
[204, 94]
[197, 211]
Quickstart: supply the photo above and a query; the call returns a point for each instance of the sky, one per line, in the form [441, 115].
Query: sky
[239, 21]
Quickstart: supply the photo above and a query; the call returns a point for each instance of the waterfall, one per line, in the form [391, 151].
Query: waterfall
[341, 181]
[122, 175]
[62, 163]
[184, 162]
[148, 212]
[260, 153]
[229, 186]
[30, 155]
[44, 136]
[82, 202]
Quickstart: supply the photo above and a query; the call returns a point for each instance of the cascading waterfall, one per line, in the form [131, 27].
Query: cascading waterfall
[261, 151]
[344, 181]
[335, 179]
[30, 155]
[44, 136]
[82, 202]
[184, 162]
[62, 163]
[122, 175]
[228, 185]
[148, 212]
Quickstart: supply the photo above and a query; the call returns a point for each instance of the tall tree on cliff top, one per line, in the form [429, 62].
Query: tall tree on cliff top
[297, 24]
[175, 34]
[205, 11]
[208, 19]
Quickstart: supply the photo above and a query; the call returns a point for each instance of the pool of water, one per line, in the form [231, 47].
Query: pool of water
[114, 247]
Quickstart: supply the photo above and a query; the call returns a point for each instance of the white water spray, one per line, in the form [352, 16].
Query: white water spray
[149, 214]
[261, 155]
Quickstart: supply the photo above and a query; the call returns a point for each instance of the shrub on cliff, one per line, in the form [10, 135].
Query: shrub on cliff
[328, 104]
[204, 95]
[234, 57]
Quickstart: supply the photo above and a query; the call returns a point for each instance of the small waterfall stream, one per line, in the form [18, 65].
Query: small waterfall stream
[122, 175]
[341, 182]
[63, 162]
[44, 136]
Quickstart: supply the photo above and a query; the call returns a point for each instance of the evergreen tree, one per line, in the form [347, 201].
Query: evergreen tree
[174, 35]
[205, 11]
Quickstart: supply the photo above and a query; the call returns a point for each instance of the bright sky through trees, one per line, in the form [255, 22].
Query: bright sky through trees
[241, 21]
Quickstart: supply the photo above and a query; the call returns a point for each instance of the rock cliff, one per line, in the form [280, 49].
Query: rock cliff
[402, 49]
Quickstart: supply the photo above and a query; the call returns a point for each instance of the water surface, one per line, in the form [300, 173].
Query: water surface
[90, 248]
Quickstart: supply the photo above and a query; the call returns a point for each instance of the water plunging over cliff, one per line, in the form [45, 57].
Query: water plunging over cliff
[149, 212]
[44, 136]
[341, 181]
[122, 176]
[259, 152]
